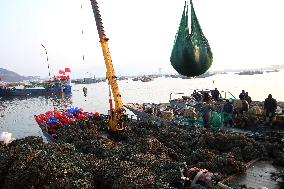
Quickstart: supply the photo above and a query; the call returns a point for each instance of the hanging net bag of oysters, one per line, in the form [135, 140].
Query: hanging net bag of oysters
[191, 54]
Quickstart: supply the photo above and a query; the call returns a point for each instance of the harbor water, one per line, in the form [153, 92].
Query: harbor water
[17, 113]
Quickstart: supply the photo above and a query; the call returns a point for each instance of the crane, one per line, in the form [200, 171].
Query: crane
[117, 114]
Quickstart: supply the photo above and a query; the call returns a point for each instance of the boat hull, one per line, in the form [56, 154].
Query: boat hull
[34, 91]
[5, 92]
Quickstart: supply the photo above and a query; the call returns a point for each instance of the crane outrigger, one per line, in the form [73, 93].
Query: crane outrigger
[117, 114]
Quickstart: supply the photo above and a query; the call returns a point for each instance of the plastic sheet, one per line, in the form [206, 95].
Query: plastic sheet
[6, 137]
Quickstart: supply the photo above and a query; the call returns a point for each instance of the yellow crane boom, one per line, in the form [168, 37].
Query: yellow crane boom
[117, 115]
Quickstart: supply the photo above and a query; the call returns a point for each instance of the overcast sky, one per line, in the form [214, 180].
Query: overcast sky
[241, 33]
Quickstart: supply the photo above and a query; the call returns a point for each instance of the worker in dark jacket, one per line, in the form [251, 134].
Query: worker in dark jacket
[206, 110]
[248, 98]
[242, 95]
[206, 97]
[197, 96]
[228, 110]
[215, 94]
[270, 106]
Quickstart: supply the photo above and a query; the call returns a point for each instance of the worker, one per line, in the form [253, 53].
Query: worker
[216, 94]
[85, 90]
[242, 95]
[206, 97]
[197, 96]
[194, 94]
[200, 178]
[206, 110]
[228, 110]
[248, 98]
[270, 105]
[245, 106]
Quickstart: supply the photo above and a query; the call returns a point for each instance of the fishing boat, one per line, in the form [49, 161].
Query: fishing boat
[53, 86]
[185, 77]
[146, 79]
[135, 79]
[3, 89]
[207, 74]
[250, 72]
[275, 70]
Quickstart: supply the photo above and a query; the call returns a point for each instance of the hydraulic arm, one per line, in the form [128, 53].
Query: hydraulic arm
[117, 115]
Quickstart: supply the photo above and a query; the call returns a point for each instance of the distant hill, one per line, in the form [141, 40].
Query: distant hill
[10, 76]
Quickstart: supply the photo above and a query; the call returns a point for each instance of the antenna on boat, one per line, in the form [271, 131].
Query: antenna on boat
[46, 60]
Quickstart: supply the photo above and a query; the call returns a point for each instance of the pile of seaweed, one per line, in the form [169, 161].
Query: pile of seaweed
[144, 156]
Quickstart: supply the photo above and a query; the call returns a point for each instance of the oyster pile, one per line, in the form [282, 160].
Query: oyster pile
[144, 156]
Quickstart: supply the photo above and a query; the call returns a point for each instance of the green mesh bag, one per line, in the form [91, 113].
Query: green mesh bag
[217, 120]
[191, 54]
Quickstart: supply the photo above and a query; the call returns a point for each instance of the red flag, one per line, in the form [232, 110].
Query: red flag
[67, 70]
[61, 72]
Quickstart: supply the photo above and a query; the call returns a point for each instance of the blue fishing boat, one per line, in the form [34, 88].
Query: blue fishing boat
[55, 86]
[4, 91]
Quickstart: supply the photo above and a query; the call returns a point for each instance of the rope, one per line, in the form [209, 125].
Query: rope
[82, 32]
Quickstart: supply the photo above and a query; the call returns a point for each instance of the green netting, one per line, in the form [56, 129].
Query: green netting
[227, 117]
[191, 54]
[192, 122]
[217, 120]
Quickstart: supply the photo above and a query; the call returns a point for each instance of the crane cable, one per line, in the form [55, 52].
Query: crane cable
[48, 67]
[82, 32]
